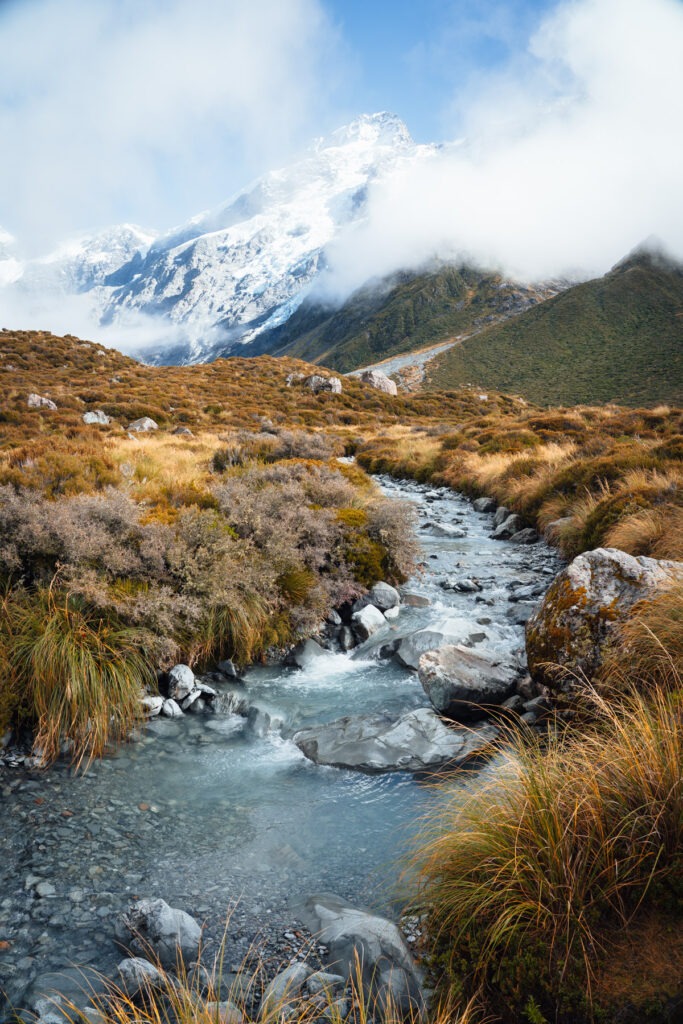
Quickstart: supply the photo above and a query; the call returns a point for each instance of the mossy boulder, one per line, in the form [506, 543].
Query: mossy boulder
[570, 632]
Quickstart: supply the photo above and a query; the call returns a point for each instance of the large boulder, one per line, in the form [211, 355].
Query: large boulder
[415, 741]
[380, 381]
[510, 526]
[384, 596]
[181, 682]
[366, 622]
[170, 934]
[575, 624]
[360, 941]
[317, 384]
[306, 653]
[452, 629]
[463, 684]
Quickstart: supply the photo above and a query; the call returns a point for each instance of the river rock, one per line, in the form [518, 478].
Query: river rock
[137, 975]
[367, 621]
[224, 1013]
[453, 629]
[501, 515]
[96, 416]
[415, 600]
[169, 933]
[484, 505]
[305, 654]
[181, 682]
[414, 741]
[151, 705]
[171, 709]
[444, 529]
[360, 940]
[574, 625]
[461, 683]
[285, 988]
[526, 536]
[380, 381]
[317, 384]
[507, 529]
[384, 596]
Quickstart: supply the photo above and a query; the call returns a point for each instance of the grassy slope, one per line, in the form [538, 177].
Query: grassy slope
[618, 338]
[394, 317]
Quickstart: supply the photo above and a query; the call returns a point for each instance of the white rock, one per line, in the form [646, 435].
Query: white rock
[380, 381]
[171, 709]
[151, 705]
[367, 621]
[181, 682]
[38, 402]
[143, 424]
[96, 416]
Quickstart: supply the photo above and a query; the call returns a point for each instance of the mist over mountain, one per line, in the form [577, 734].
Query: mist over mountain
[229, 273]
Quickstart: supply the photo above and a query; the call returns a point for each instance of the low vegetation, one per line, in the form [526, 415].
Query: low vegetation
[550, 884]
[397, 315]
[586, 476]
[616, 339]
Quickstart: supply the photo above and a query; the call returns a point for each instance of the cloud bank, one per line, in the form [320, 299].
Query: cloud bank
[572, 156]
[121, 110]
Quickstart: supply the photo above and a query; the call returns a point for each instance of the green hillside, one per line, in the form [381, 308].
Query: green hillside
[399, 315]
[618, 338]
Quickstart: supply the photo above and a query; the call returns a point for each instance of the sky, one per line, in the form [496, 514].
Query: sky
[149, 112]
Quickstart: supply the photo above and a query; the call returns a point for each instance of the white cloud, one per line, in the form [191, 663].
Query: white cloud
[120, 110]
[575, 156]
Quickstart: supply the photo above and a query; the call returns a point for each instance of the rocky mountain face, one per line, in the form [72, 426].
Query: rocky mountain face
[229, 273]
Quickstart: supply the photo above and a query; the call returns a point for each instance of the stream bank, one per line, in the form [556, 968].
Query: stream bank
[211, 815]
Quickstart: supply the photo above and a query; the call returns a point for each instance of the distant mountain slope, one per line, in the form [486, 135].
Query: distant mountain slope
[617, 338]
[399, 315]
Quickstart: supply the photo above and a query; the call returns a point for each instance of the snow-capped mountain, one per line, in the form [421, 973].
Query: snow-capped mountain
[230, 272]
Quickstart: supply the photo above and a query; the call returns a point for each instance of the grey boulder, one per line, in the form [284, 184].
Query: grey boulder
[484, 505]
[138, 975]
[181, 682]
[462, 684]
[360, 942]
[384, 596]
[367, 621]
[317, 384]
[285, 988]
[305, 654]
[170, 934]
[452, 629]
[415, 741]
[507, 529]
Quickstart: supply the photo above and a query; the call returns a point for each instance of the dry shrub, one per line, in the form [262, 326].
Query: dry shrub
[529, 873]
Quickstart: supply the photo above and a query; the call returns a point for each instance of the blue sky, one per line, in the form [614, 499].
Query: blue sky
[150, 111]
[415, 58]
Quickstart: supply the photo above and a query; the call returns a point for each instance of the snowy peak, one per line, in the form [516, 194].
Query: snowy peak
[381, 129]
[229, 273]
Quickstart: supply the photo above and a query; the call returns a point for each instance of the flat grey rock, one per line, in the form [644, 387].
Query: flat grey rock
[414, 741]
[462, 683]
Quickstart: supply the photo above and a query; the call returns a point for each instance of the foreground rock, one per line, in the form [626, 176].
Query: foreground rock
[154, 927]
[414, 741]
[380, 381]
[356, 939]
[574, 626]
[463, 684]
[452, 629]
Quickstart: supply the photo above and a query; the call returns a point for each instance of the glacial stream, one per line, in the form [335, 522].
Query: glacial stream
[211, 816]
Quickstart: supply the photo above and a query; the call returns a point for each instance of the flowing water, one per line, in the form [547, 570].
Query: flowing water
[207, 814]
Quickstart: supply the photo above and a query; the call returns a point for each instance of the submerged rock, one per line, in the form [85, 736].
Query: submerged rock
[573, 627]
[462, 684]
[414, 741]
[358, 939]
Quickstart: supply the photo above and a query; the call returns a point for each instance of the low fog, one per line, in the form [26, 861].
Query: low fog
[570, 158]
